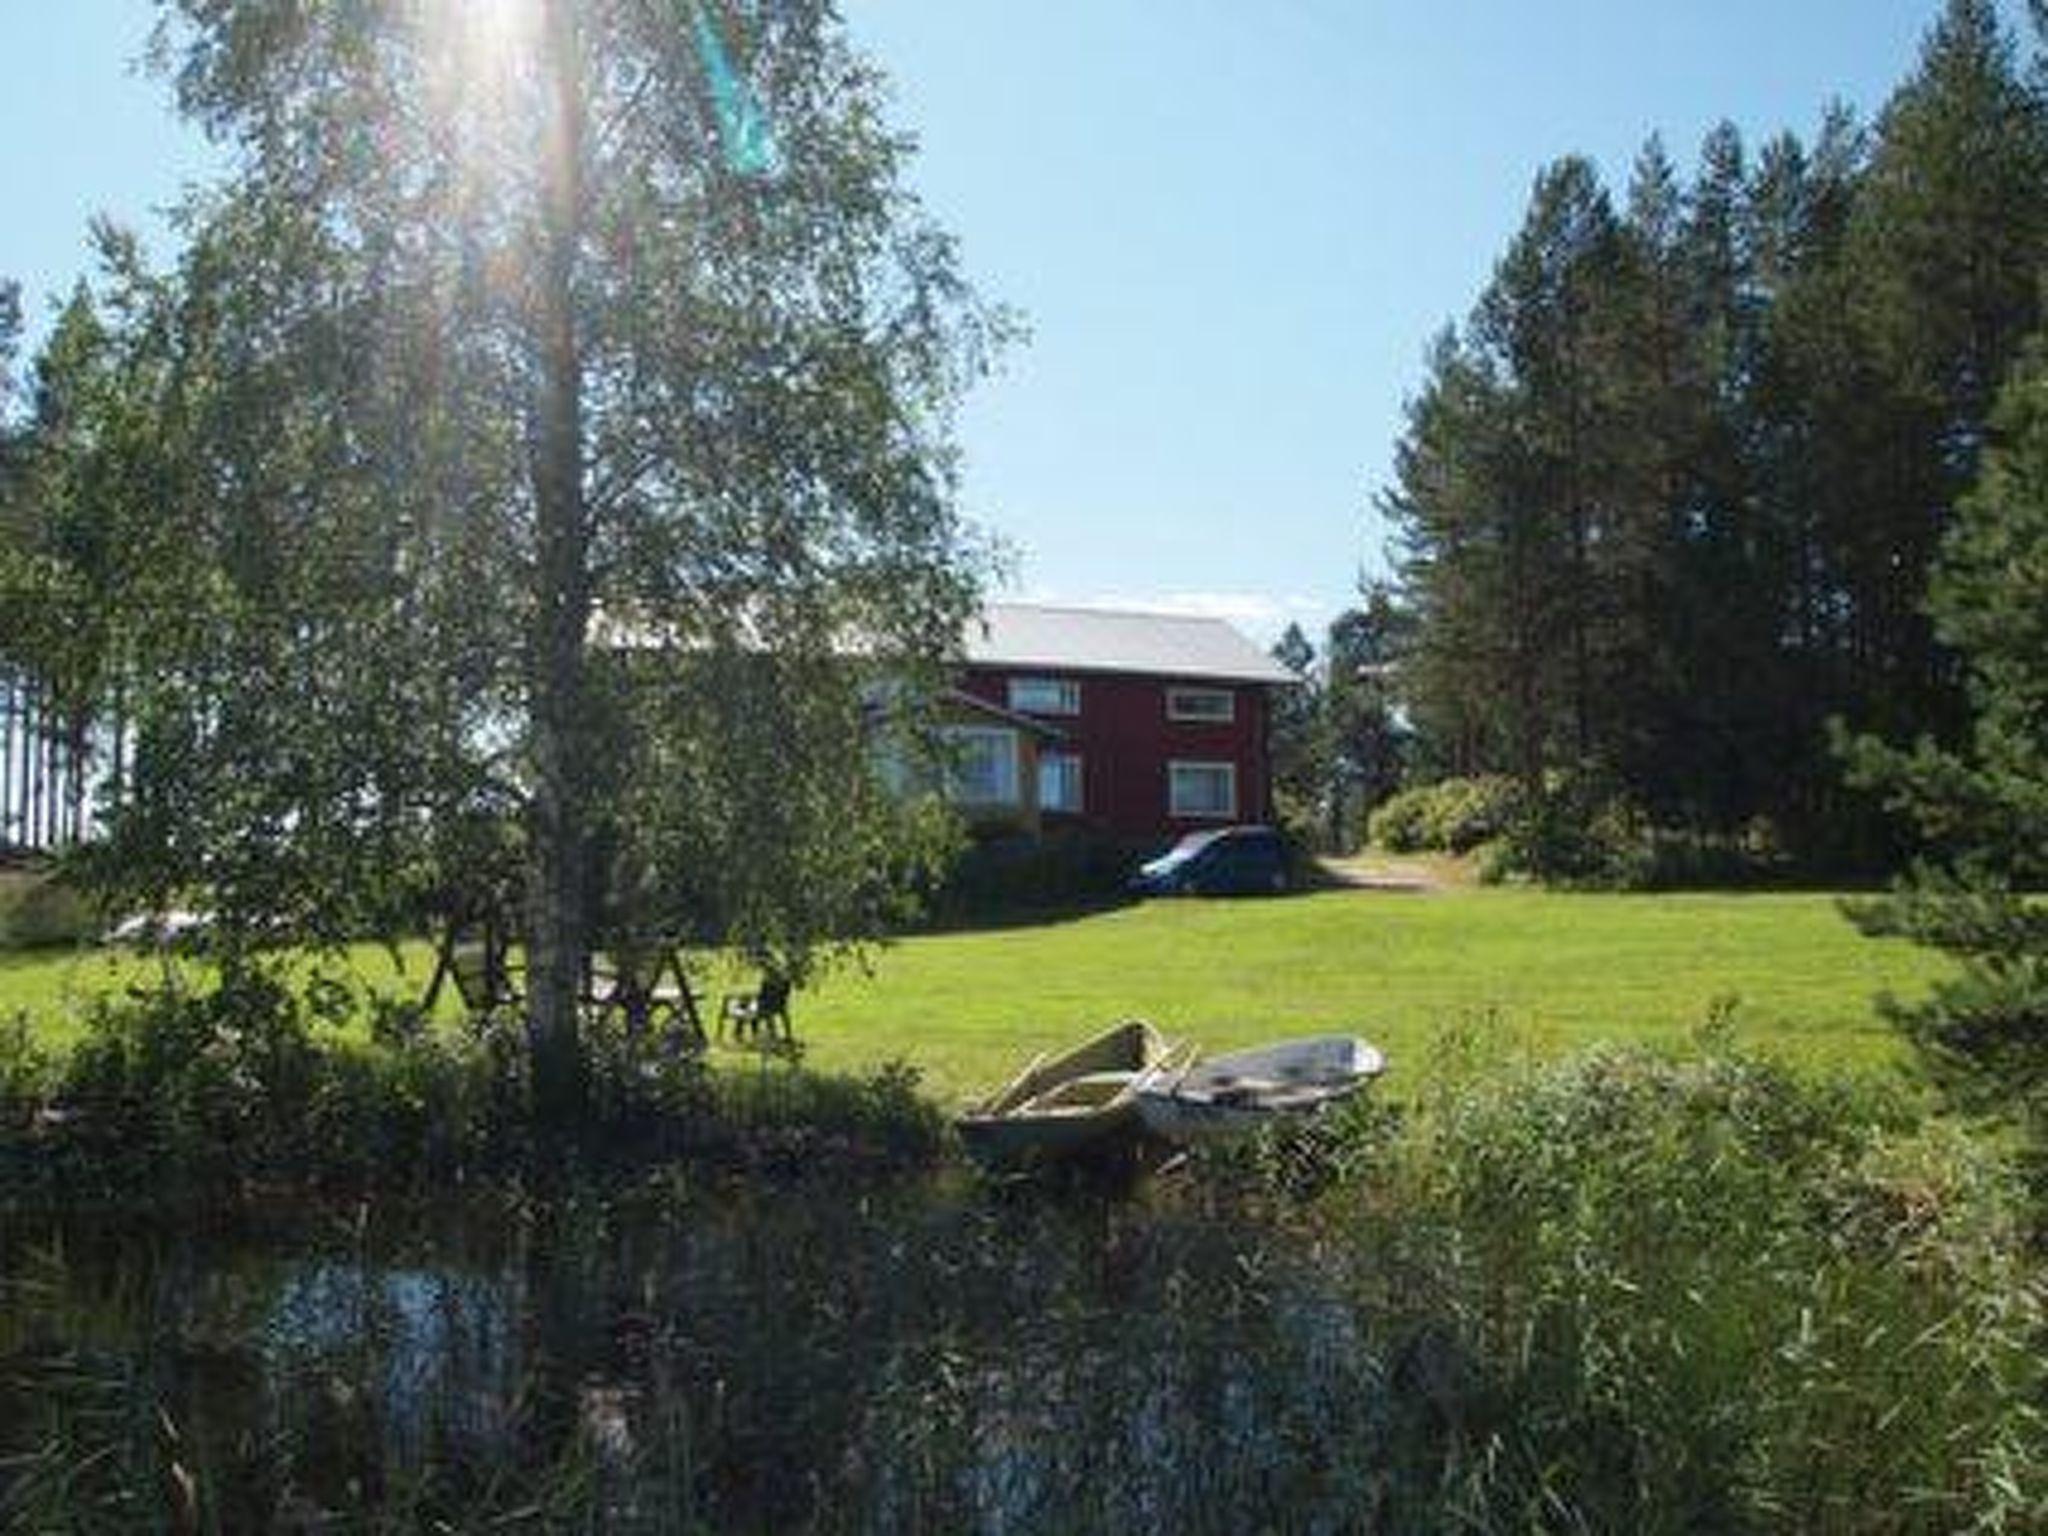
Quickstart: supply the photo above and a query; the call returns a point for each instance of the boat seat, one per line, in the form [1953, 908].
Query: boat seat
[1080, 1095]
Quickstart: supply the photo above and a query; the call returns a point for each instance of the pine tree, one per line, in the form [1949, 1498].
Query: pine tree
[1511, 516]
[1985, 810]
[1295, 738]
[1479, 683]
[1668, 501]
[1947, 240]
[1367, 650]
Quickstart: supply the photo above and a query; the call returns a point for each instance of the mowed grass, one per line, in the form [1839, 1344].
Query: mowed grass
[1506, 972]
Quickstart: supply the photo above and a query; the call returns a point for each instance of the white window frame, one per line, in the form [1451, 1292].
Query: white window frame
[1009, 768]
[1174, 803]
[1066, 693]
[1179, 699]
[1073, 776]
[890, 767]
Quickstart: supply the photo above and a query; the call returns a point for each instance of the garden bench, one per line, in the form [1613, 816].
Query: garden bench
[761, 1016]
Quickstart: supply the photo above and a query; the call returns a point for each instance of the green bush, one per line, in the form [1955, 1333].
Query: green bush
[1065, 866]
[26, 1074]
[243, 1084]
[1396, 822]
[1493, 863]
[1449, 816]
[1470, 811]
[39, 911]
[1580, 832]
[1576, 832]
[200, 1085]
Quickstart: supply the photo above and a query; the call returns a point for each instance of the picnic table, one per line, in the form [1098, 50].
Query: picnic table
[644, 986]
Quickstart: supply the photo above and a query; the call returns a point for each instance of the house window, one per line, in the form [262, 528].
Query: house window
[1208, 704]
[886, 757]
[1045, 696]
[983, 770]
[1059, 781]
[1202, 789]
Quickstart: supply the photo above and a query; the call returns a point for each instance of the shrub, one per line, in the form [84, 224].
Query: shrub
[1450, 816]
[1396, 822]
[1493, 863]
[26, 1074]
[1677, 858]
[39, 911]
[1580, 832]
[1575, 832]
[196, 1084]
[227, 1088]
[1064, 866]
[1468, 812]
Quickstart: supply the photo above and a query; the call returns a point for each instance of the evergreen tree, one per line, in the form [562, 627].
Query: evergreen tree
[1946, 243]
[1476, 685]
[80, 539]
[1295, 737]
[1507, 505]
[1985, 809]
[1668, 501]
[1337, 747]
[1367, 747]
[10, 341]
[1811, 419]
[1661, 420]
[10, 347]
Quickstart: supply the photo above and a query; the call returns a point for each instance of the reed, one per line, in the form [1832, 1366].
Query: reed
[1625, 1291]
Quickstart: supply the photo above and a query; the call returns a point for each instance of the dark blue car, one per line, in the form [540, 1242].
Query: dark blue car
[1229, 861]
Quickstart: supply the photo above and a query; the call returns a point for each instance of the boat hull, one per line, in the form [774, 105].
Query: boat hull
[1248, 1090]
[1081, 1104]
[1022, 1140]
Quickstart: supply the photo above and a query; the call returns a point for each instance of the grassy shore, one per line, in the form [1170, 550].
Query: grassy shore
[1505, 972]
[1565, 1285]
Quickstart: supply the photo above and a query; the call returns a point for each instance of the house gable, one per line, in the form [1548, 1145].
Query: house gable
[1161, 721]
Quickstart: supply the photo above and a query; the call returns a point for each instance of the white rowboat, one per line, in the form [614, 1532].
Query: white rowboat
[1230, 1094]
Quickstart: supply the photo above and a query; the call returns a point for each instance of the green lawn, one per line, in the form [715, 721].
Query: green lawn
[1519, 970]
[1522, 970]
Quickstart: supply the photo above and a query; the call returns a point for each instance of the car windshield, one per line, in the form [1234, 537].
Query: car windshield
[1185, 849]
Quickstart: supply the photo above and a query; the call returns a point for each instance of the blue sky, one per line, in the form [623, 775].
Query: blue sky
[1232, 228]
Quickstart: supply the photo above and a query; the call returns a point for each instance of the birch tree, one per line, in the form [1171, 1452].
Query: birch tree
[521, 335]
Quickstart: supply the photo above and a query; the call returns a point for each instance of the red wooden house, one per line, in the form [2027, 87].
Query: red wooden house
[1140, 725]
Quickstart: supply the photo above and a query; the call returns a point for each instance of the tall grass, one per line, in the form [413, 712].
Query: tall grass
[1622, 1292]
[231, 1089]
[1707, 1295]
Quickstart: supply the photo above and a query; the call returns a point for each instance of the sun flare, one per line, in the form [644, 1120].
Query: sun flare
[480, 56]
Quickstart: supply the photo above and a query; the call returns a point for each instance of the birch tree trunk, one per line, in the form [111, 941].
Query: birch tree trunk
[557, 917]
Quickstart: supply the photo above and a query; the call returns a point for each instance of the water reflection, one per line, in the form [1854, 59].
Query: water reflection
[904, 1357]
[432, 1347]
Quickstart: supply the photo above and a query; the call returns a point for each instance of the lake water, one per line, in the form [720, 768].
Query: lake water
[916, 1354]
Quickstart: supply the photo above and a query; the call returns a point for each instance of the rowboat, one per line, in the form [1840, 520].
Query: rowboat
[1241, 1091]
[1074, 1105]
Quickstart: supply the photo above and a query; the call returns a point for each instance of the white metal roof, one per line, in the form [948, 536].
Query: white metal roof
[1108, 640]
